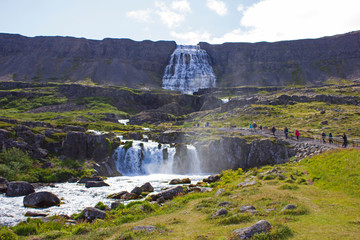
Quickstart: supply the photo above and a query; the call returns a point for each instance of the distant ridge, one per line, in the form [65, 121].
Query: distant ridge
[141, 64]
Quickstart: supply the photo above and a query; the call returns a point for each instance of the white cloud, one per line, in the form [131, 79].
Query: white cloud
[217, 6]
[274, 20]
[167, 16]
[240, 8]
[141, 15]
[191, 37]
[181, 6]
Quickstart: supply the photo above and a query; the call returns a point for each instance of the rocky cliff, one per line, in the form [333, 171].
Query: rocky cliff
[141, 64]
[289, 62]
[110, 61]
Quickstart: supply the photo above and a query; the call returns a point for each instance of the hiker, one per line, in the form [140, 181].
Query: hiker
[273, 129]
[207, 124]
[254, 126]
[323, 135]
[286, 131]
[251, 127]
[330, 138]
[297, 134]
[345, 143]
[260, 127]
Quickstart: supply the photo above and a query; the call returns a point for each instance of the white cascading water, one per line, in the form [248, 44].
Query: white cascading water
[189, 70]
[152, 158]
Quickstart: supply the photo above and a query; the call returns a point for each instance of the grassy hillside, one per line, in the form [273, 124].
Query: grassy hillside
[325, 209]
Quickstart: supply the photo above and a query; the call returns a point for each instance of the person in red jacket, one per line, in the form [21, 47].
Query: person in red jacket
[297, 134]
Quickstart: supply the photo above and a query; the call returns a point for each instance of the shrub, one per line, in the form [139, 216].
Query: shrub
[25, 229]
[7, 234]
[101, 206]
[14, 161]
[276, 233]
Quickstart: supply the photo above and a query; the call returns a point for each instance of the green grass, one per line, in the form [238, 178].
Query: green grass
[336, 170]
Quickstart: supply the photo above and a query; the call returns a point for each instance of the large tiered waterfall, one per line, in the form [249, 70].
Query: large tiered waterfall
[189, 70]
[153, 158]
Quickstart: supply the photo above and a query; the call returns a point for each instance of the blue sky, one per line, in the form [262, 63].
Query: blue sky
[185, 21]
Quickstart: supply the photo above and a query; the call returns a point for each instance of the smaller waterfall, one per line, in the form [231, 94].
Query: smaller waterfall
[189, 70]
[154, 158]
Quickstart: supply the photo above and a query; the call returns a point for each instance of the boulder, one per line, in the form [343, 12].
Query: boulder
[89, 179]
[175, 181]
[35, 214]
[168, 194]
[115, 205]
[137, 190]
[124, 195]
[90, 214]
[91, 184]
[224, 204]
[147, 187]
[147, 228]
[41, 200]
[288, 207]
[212, 178]
[246, 183]
[246, 233]
[220, 212]
[247, 208]
[19, 188]
[219, 192]
[3, 188]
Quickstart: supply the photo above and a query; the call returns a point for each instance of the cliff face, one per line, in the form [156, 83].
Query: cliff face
[281, 63]
[141, 64]
[110, 61]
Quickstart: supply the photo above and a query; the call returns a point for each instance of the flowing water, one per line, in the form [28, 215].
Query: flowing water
[189, 70]
[144, 161]
[75, 197]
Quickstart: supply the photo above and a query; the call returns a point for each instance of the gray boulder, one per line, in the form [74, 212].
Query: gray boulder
[247, 208]
[168, 194]
[147, 187]
[246, 233]
[92, 184]
[137, 190]
[90, 214]
[289, 207]
[220, 212]
[19, 188]
[223, 204]
[41, 200]
[147, 228]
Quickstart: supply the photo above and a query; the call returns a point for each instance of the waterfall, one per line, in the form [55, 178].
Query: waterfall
[189, 70]
[153, 158]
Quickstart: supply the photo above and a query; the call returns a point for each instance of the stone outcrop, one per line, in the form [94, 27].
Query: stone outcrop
[41, 200]
[168, 194]
[79, 145]
[234, 153]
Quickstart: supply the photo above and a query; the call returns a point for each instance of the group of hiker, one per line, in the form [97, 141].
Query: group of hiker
[253, 127]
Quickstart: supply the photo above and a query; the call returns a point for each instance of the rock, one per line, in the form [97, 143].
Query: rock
[3, 180]
[91, 184]
[246, 233]
[147, 228]
[168, 194]
[73, 180]
[3, 188]
[120, 195]
[247, 208]
[115, 205]
[89, 179]
[35, 214]
[220, 212]
[16, 189]
[219, 192]
[179, 181]
[246, 183]
[69, 128]
[161, 200]
[147, 187]
[175, 181]
[41, 200]
[90, 214]
[212, 178]
[324, 123]
[224, 204]
[288, 207]
[137, 191]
